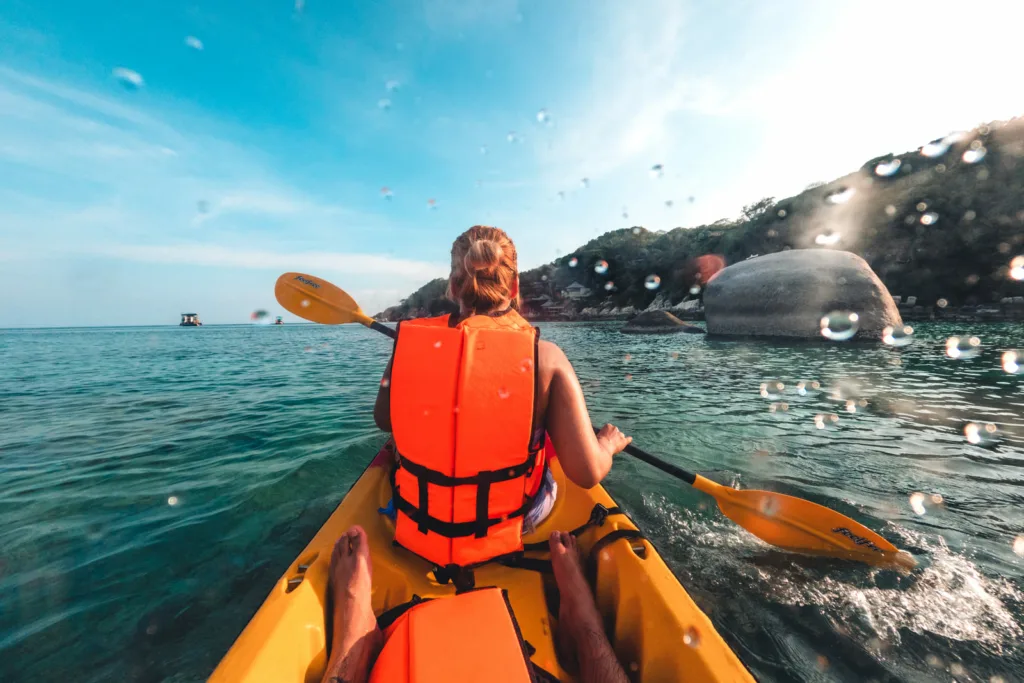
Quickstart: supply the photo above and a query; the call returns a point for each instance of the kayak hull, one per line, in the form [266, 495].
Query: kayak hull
[656, 629]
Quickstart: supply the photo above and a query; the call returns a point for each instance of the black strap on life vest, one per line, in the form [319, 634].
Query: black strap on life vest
[598, 516]
[483, 480]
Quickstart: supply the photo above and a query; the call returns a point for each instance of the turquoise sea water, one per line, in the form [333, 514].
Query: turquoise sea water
[156, 481]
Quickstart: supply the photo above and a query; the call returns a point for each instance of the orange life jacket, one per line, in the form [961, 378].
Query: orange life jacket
[468, 637]
[462, 414]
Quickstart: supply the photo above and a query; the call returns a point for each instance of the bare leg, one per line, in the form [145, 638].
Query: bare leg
[357, 640]
[579, 623]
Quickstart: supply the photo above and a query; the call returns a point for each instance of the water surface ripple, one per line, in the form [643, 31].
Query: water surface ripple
[156, 481]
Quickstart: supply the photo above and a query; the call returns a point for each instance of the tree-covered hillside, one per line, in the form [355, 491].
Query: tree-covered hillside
[939, 223]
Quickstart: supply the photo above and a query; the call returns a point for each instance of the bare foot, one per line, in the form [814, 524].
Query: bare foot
[580, 629]
[357, 640]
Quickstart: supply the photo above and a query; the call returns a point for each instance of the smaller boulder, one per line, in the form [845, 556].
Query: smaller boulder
[658, 322]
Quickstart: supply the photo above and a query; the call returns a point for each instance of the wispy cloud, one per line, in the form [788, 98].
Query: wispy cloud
[310, 261]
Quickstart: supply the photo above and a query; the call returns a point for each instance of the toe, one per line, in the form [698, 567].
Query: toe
[555, 543]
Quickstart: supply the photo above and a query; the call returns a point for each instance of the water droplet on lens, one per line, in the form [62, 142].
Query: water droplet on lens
[1018, 545]
[921, 206]
[769, 505]
[132, 80]
[657, 171]
[601, 267]
[483, 149]
[974, 154]
[888, 168]
[585, 183]
[981, 434]
[781, 213]
[432, 204]
[384, 103]
[1010, 362]
[172, 501]
[629, 378]
[561, 194]
[668, 203]
[917, 502]
[772, 389]
[960, 348]
[609, 286]
[385, 383]
[437, 344]
[526, 365]
[942, 303]
[890, 210]
[573, 262]
[503, 393]
[1017, 268]
[652, 282]
[929, 218]
[691, 637]
[634, 667]
[695, 290]
[935, 148]
[543, 116]
[512, 137]
[386, 193]
[822, 662]
[822, 420]
[194, 43]
[203, 206]
[827, 239]
[898, 336]
[636, 230]
[840, 195]
[840, 325]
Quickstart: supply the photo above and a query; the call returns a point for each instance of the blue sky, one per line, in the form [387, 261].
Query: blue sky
[266, 149]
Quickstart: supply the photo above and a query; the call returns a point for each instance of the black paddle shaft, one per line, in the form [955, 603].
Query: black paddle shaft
[666, 467]
[384, 329]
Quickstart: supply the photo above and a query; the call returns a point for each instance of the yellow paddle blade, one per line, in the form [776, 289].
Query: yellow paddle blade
[802, 526]
[317, 300]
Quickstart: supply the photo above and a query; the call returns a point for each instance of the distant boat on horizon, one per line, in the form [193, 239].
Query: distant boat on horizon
[279, 321]
[190, 320]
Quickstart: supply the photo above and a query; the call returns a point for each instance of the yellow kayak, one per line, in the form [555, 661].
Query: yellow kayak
[657, 631]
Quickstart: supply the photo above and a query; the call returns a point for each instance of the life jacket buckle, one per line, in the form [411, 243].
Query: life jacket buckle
[598, 515]
[460, 577]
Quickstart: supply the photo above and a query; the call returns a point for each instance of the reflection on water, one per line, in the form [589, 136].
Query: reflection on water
[158, 480]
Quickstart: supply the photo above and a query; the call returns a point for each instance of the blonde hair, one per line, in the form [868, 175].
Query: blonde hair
[484, 269]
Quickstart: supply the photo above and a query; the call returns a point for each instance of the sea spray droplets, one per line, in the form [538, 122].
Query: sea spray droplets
[840, 325]
[1017, 268]
[960, 348]
[822, 420]
[772, 389]
[1009, 362]
[917, 502]
[888, 168]
[652, 282]
[981, 434]
[840, 195]
[132, 80]
[691, 637]
[902, 335]
[975, 153]
[657, 171]
[601, 267]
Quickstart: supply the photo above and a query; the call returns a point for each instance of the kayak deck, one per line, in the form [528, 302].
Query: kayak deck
[656, 629]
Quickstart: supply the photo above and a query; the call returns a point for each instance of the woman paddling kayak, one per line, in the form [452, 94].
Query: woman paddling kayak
[471, 400]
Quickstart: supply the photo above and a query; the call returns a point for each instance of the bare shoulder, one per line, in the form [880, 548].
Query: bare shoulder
[549, 355]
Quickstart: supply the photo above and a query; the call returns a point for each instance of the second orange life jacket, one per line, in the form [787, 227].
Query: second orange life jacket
[462, 414]
[469, 637]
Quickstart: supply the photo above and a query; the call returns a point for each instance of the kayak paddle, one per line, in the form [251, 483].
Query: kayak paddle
[786, 522]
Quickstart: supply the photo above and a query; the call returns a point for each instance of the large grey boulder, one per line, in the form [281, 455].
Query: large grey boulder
[786, 295]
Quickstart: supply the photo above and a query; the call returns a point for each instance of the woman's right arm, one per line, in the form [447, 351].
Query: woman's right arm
[586, 458]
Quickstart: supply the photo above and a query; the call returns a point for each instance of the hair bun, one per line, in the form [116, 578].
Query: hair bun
[483, 256]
